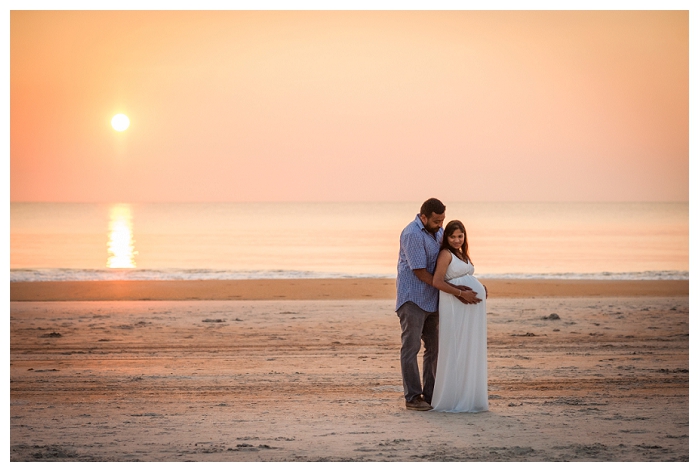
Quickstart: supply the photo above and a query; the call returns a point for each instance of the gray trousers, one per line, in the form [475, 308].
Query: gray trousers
[417, 324]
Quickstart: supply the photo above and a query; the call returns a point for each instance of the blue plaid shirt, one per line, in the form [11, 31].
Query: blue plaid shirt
[418, 250]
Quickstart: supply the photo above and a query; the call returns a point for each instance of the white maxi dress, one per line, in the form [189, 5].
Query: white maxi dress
[461, 383]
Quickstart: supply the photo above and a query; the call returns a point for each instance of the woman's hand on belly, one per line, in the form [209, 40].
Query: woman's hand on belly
[468, 295]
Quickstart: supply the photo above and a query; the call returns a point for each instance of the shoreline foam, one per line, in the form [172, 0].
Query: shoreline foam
[85, 275]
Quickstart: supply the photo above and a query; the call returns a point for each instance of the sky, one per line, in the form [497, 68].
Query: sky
[349, 106]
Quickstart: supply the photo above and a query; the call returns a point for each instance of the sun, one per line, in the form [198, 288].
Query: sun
[120, 122]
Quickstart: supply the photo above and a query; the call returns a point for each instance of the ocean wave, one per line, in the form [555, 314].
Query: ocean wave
[646, 275]
[56, 275]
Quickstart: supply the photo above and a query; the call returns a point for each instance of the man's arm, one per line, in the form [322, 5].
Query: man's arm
[423, 275]
[469, 297]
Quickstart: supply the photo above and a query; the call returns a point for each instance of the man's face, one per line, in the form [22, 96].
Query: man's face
[433, 223]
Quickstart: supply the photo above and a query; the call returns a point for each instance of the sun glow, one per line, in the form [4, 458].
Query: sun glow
[120, 247]
[120, 122]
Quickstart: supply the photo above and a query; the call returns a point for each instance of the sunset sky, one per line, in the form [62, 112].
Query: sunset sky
[349, 106]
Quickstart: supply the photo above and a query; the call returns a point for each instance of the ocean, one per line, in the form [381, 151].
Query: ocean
[190, 241]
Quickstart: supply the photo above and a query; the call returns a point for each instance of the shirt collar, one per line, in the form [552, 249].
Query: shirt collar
[419, 224]
[418, 221]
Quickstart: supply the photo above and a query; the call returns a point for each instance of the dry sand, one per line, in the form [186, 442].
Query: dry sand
[306, 380]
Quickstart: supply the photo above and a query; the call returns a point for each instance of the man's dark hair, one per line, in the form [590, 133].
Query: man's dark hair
[432, 206]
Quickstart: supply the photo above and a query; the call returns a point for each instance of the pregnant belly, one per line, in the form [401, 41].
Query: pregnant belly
[472, 282]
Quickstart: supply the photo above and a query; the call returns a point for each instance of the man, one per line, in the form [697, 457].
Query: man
[417, 302]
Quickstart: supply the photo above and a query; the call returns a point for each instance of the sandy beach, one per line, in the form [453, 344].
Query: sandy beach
[308, 370]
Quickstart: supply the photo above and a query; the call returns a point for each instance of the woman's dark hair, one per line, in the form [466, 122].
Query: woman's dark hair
[448, 231]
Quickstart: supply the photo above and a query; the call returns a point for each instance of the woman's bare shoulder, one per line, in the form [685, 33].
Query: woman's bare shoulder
[444, 254]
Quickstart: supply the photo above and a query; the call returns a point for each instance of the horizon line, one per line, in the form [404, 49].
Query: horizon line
[112, 202]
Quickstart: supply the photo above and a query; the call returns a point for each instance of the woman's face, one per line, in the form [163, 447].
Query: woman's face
[456, 239]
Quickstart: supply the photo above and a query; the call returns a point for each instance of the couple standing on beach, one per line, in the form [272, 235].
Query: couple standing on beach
[441, 303]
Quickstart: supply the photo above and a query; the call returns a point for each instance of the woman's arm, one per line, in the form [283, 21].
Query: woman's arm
[440, 272]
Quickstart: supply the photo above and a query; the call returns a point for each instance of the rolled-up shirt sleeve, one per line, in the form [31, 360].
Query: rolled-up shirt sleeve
[418, 250]
[414, 248]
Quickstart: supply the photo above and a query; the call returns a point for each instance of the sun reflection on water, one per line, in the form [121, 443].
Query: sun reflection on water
[120, 248]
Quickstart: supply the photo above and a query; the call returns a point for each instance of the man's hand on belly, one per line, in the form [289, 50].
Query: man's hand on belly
[460, 287]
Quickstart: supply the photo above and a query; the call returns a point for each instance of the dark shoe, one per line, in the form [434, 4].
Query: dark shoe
[418, 404]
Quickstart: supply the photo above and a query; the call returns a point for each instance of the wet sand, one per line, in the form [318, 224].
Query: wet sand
[324, 289]
[307, 380]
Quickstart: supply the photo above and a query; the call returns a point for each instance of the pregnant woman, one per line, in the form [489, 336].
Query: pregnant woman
[461, 382]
